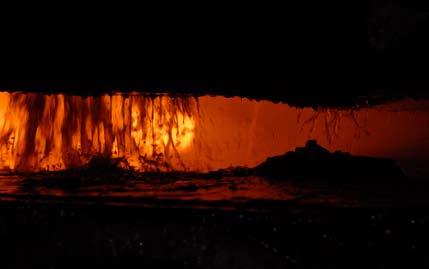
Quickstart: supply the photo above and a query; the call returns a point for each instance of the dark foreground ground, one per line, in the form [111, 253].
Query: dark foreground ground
[56, 235]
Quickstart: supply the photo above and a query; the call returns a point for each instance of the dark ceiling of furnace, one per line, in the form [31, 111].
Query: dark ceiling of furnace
[324, 93]
[331, 61]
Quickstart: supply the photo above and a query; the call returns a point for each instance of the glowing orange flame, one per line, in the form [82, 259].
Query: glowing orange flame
[54, 132]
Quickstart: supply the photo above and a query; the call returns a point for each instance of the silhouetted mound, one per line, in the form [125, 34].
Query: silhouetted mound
[98, 171]
[315, 162]
[102, 171]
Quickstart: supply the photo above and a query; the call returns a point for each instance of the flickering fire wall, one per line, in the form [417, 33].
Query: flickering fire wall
[41, 132]
[54, 132]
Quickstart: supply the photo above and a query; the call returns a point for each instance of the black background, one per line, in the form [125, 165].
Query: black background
[304, 53]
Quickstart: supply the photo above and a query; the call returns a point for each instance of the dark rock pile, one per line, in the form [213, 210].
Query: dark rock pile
[316, 162]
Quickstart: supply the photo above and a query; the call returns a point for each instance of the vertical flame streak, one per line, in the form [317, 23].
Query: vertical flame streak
[54, 132]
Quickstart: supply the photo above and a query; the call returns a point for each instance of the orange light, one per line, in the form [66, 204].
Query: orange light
[54, 132]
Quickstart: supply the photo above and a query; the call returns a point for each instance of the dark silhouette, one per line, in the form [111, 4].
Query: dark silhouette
[315, 162]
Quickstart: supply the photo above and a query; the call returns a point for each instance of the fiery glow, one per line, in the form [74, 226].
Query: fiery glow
[53, 132]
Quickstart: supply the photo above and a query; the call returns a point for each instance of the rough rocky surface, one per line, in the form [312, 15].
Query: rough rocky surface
[314, 162]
